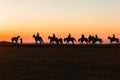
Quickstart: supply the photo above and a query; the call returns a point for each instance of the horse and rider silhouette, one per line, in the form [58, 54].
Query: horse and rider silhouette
[38, 38]
[53, 39]
[69, 39]
[83, 39]
[113, 39]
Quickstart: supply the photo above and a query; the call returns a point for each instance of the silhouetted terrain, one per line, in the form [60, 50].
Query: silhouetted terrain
[59, 62]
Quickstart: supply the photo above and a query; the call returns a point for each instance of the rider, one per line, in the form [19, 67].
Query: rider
[96, 36]
[54, 35]
[69, 36]
[82, 36]
[113, 35]
[38, 34]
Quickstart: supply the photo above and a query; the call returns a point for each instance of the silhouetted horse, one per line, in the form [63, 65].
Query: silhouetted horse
[15, 39]
[72, 39]
[113, 39]
[38, 39]
[81, 40]
[53, 39]
[94, 40]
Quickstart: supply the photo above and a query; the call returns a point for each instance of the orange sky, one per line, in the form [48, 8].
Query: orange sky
[60, 17]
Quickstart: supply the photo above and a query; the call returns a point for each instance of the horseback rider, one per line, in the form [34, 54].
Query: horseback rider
[96, 36]
[90, 36]
[38, 35]
[82, 36]
[54, 35]
[113, 36]
[69, 36]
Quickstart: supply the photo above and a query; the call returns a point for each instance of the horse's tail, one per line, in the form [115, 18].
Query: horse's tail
[79, 39]
[18, 36]
[42, 39]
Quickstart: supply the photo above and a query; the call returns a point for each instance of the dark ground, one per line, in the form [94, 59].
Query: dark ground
[60, 62]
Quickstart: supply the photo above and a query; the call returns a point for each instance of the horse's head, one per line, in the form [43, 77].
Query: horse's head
[109, 37]
[33, 35]
[18, 36]
[65, 39]
[49, 37]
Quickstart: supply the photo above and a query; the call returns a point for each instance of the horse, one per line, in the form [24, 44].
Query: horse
[15, 39]
[81, 40]
[113, 39]
[53, 39]
[94, 40]
[72, 39]
[38, 39]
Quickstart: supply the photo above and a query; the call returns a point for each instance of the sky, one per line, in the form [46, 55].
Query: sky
[27, 17]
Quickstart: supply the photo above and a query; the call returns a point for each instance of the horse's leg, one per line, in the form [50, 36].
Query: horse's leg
[61, 42]
[67, 42]
[87, 42]
[110, 41]
[100, 42]
[90, 41]
[57, 42]
[80, 42]
[50, 42]
[93, 42]
[117, 41]
[16, 41]
[73, 42]
[40, 41]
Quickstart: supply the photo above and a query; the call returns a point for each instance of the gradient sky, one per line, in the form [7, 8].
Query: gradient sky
[26, 17]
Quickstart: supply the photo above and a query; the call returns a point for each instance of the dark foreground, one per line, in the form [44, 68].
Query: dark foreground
[60, 62]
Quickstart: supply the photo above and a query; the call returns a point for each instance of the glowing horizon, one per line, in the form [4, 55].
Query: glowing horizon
[77, 17]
